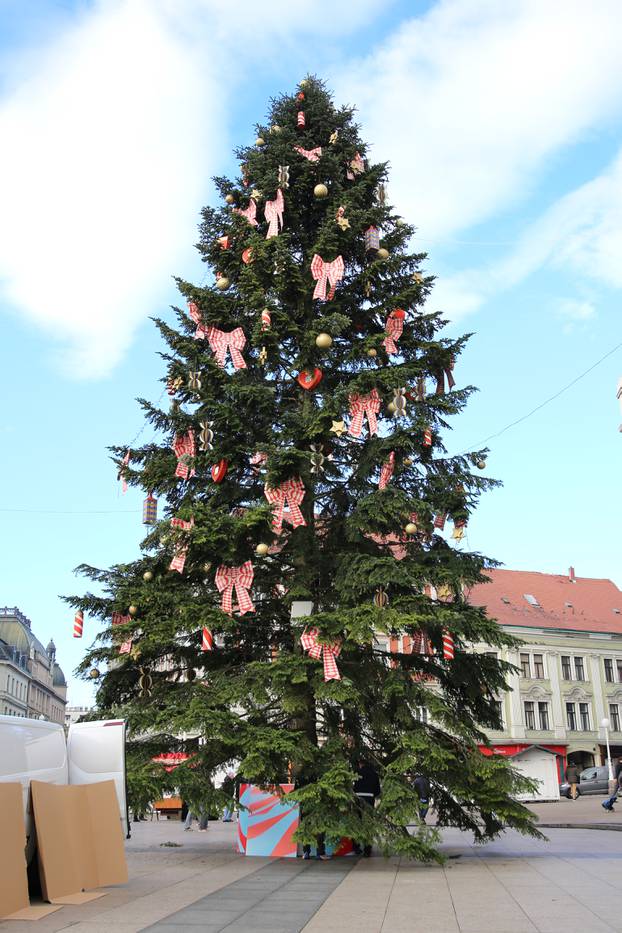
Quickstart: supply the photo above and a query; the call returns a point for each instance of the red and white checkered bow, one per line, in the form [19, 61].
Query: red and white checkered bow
[394, 328]
[119, 619]
[361, 405]
[249, 212]
[291, 491]
[207, 640]
[122, 474]
[310, 643]
[447, 371]
[311, 154]
[387, 471]
[220, 341]
[195, 314]
[448, 646]
[325, 272]
[179, 560]
[273, 212]
[183, 525]
[239, 577]
[185, 450]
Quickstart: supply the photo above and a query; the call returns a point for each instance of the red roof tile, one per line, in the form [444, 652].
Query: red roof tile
[583, 606]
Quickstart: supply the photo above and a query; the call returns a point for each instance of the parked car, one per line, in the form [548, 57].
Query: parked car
[594, 780]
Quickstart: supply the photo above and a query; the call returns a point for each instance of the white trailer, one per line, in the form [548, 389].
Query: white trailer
[35, 750]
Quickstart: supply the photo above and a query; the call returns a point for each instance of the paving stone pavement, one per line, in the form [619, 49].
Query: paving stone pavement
[281, 898]
[571, 883]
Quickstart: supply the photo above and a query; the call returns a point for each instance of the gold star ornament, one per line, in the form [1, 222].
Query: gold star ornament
[338, 428]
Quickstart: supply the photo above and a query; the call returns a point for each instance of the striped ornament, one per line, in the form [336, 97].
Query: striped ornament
[207, 640]
[301, 122]
[78, 624]
[448, 646]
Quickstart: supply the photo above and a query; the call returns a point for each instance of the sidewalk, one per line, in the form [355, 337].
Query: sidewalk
[571, 883]
[581, 812]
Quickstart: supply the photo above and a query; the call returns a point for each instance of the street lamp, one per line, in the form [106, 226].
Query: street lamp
[605, 724]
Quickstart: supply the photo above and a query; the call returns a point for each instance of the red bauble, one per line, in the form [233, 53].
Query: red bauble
[309, 380]
[399, 313]
[219, 471]
[300, 96]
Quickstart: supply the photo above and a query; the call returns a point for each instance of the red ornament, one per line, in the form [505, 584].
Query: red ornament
[399, 313]
[78, 623]
[309, 380]
[219, 470]
[301, 122]
[207, 640]
[427, 437]
[223, 242]
[247, 255]
[300, 96]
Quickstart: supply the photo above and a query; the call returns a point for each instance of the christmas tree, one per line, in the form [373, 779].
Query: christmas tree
[304, 485]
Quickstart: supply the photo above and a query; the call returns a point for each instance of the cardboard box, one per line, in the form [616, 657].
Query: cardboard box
[13, 877]
[79, 837]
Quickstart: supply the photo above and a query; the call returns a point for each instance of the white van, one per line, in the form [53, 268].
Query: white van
[35, 750]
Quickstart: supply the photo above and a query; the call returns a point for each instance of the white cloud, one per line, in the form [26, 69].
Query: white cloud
[572, 310]
[470, 101]
[110, 134]
[580, 234]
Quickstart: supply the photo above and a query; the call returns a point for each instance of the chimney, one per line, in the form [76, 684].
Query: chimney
[571, 575]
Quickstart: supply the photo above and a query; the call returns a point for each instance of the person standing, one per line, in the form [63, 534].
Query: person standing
[367, 790]
[228, 787]
[202, 818]
[421, 785]
[572, 777]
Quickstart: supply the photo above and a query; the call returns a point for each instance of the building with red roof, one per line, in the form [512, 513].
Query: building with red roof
[570, 663]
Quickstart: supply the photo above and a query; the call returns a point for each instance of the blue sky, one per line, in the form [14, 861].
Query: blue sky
[502, 123]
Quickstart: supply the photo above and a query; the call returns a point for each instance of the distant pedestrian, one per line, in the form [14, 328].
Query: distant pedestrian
[422, 786]
[573, 777]
[228, 787]
[202, 818]
[610, 801]
[367, 789]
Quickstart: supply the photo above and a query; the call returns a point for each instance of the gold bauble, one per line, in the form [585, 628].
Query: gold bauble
[410, 528]
[305, 82]
[262, 549]
[260, 141]
[481, 464]
[222, 283]
[382, 253]
[400, 222]
[275, 129]
[133, 610]
[323, 341]
[372, 352]
[229, 198]
[407, 462]
[93, 673]
[392, 407]
[320, 191]
[147, 576]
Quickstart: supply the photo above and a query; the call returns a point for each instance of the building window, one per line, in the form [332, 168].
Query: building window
[566, 669]
[584, 715]
[571, 717]
[543, 715]
[614, 717]
[579, 671]
[538, 667]
[525, 666]
[530, 719]
[499, 708]
[619, 669]
[608, 662]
